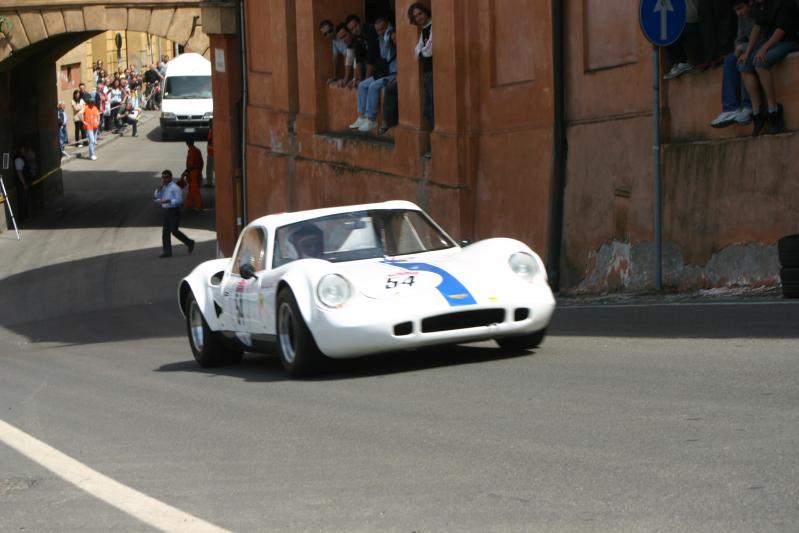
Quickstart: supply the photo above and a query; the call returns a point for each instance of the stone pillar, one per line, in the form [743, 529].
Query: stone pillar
[220, 23]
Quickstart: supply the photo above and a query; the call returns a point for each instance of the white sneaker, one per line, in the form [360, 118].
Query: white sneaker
[93, 158]
[676, 70]
[368, 125]
[358, 123]
[726, 118]
[744, 116]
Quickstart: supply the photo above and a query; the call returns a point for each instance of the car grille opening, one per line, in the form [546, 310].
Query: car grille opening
[402, 329]
[463, 319]
[521, 314]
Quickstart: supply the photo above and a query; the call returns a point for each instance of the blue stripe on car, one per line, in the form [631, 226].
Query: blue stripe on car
[453, 291]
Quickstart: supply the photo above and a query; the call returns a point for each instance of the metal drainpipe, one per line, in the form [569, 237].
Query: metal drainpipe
[560, 147]
[244, 81]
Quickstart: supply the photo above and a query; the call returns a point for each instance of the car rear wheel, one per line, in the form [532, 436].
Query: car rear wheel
[209, 347]
[523, 342]
[299, 353]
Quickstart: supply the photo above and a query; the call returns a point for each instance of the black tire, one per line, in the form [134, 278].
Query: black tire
[790, 282]
[298, 351]
[209, 347]
[523, 342]
[788, 250]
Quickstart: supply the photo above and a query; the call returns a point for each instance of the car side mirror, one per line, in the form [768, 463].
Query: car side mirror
[247, 271]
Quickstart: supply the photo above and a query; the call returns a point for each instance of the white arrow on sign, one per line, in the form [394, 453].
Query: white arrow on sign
[663, 7]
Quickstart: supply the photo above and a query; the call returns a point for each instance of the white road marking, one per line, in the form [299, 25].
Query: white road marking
[140, 506]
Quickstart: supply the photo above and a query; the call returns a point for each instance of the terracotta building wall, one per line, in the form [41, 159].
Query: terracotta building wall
[484, 171]
[727, 197]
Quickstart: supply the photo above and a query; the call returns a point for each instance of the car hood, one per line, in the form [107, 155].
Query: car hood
[457, 281]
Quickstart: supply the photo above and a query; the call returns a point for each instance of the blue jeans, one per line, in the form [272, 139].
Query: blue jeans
[774, 55]
[733, 94]
[369, 96]
[62, 137]
[92, 136]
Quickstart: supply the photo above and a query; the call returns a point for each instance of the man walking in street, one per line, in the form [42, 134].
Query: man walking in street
[169, 196]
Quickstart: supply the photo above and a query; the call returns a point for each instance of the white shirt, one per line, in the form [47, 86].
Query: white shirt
[171, 191]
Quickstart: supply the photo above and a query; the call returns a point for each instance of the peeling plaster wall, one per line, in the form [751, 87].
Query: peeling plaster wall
[619, 267]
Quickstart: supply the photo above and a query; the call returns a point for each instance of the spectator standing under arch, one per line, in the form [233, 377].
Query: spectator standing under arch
[774, 36]
[61, 116]
[77, 116]
[91, 122]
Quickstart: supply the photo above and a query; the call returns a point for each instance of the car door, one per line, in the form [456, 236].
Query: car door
[240, 292]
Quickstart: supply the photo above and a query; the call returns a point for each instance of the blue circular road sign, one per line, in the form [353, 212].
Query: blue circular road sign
[662, 21]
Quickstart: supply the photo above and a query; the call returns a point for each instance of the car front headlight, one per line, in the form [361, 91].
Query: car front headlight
[333, 290]
[524, 265]
[168, 116]
[208, 116]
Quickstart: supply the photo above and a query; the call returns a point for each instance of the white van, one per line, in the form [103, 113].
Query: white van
[187, 106]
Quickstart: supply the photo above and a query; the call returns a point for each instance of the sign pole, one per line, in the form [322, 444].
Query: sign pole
[662, 22]
[8, 204]
[656, 167]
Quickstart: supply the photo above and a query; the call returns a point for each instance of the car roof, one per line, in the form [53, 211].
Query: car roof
[281, 219]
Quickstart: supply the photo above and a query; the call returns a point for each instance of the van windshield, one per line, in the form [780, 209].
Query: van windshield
[187, 87]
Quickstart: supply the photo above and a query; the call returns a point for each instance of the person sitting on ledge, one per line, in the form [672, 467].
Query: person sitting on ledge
[774, 36]
[736, 107]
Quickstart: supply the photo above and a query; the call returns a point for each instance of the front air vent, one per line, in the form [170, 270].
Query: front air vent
[402, 329]
[463, 320]
[520, 314]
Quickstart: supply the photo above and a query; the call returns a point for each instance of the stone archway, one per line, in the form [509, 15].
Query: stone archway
[34, 34]
[29, 22]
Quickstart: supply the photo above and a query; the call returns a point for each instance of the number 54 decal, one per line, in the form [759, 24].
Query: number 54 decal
[392, 282]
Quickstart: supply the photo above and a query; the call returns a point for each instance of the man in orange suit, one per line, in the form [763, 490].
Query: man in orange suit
[193, 174]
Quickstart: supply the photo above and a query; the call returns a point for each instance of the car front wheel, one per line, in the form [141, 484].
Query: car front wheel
[209, 347]
[299, 353]
[523, 342]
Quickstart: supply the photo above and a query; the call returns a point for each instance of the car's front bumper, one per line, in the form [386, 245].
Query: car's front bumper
[375, 326]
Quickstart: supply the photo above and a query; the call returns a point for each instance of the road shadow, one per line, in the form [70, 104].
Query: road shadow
[106, 298]
[261, 368]
[126, 201]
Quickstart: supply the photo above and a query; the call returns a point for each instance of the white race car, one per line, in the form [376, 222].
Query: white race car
[350, 281]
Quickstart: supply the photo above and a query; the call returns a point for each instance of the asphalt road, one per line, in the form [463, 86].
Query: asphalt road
[655, 414]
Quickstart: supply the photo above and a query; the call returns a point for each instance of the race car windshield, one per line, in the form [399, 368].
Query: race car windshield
[359, 235]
